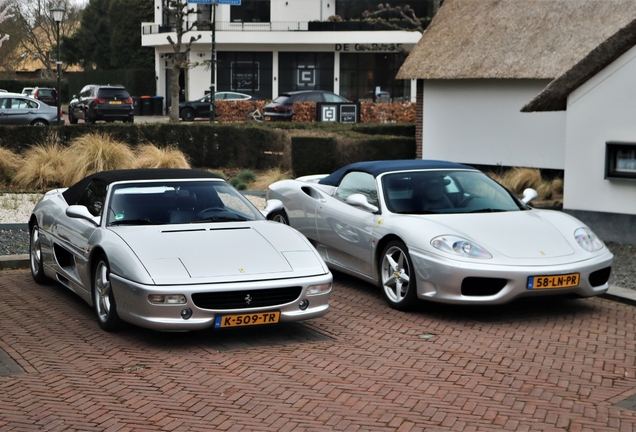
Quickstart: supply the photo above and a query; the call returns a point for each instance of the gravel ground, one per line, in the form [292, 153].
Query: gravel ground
[16, 208]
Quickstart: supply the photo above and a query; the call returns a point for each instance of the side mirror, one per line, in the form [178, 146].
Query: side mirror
[272, 205]
[81, 212]
[528, 195]
[359, 200]
[74, 96]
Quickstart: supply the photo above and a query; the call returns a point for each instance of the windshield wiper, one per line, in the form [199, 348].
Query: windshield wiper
[135, 222]
[219, 219]
[418, 212]
[488, 210]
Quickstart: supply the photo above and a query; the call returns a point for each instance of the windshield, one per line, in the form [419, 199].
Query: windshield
[446, 191]
[181, 201]
[113, 93]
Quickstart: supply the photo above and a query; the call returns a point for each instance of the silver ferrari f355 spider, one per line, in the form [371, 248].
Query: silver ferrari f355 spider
[440, 231]
[174, 250]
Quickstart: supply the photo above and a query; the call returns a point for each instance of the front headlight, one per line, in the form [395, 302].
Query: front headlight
[460, 246]
[587, 239]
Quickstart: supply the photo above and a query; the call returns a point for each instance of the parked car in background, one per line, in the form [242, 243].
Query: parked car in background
[101, 103]
[27, 90]
[441, 232]
[282, 107]
[46, 95]
[19, 109]
[174, 250]
[200, 108]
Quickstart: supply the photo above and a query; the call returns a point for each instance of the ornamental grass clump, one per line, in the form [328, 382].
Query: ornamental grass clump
[93, 153]
[268, 177]
[151, 156]
[42, 167]
[9, 165]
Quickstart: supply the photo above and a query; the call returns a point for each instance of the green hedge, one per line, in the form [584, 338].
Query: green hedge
[240, 145]
[317, 155]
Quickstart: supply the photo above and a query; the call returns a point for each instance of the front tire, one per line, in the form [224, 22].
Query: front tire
[35, 256]
[397, 276]
[103, 297]
[279, 217]
[39, 123]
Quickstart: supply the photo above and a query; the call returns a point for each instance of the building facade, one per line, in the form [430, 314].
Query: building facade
[266, 47]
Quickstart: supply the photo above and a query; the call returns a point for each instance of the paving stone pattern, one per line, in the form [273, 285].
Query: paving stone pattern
[550, 365]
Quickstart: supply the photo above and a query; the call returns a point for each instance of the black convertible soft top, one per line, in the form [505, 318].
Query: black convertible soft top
[375, 168]
[72, 194]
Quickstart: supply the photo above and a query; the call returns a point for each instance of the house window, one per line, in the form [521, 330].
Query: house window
[367, 77]
[251, 11]
[620, 160]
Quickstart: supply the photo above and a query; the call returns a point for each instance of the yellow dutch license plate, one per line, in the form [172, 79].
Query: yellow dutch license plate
[115, 102]
[267, 118]
[549, 282]
[241, 320]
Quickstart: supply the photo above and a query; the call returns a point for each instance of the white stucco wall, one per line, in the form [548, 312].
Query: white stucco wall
[479, 122]
[600, 110]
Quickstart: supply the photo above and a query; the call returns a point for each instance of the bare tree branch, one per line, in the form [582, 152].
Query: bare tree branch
[5, 8]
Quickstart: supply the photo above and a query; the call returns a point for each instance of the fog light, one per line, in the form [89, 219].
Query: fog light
[304, 304]
[186, 313]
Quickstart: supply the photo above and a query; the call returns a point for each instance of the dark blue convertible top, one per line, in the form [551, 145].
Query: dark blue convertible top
[376, 168]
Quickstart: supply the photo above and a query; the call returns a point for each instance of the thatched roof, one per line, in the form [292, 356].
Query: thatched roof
[555, 96]
[534, 39]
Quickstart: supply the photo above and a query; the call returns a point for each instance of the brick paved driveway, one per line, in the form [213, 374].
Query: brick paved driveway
[557, 365]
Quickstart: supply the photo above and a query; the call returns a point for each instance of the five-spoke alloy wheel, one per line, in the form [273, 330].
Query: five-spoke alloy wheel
[35, 256]
[397, 276]
[103, 297]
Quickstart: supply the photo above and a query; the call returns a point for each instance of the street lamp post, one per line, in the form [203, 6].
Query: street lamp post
[213, 65]
[58, 16]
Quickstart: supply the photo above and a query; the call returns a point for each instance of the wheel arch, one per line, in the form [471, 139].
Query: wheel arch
[40, 120]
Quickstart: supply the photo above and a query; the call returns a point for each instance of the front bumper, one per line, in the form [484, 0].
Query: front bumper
[440, 279]
[133, 306]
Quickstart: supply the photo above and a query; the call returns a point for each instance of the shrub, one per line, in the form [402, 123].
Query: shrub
[150, 156]
[246, 176]
[95, 152]
[42, 167]
[9, 164]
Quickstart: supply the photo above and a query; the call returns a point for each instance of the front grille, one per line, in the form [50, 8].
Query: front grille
[239, 299]
[600, 277]
[481, 287]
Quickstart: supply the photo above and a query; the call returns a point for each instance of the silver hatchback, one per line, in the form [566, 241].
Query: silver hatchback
[19, 109]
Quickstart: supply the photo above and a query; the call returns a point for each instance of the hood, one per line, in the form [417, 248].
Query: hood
[217, 253]
[516, 235]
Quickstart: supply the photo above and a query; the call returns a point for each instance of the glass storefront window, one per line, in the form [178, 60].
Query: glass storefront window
[245, 72]
[305, 71]
[371, 77]
[251, 11]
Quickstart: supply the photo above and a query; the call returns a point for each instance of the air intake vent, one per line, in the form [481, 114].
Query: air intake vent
[246, 299]
[600, 277]
[482, 287]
